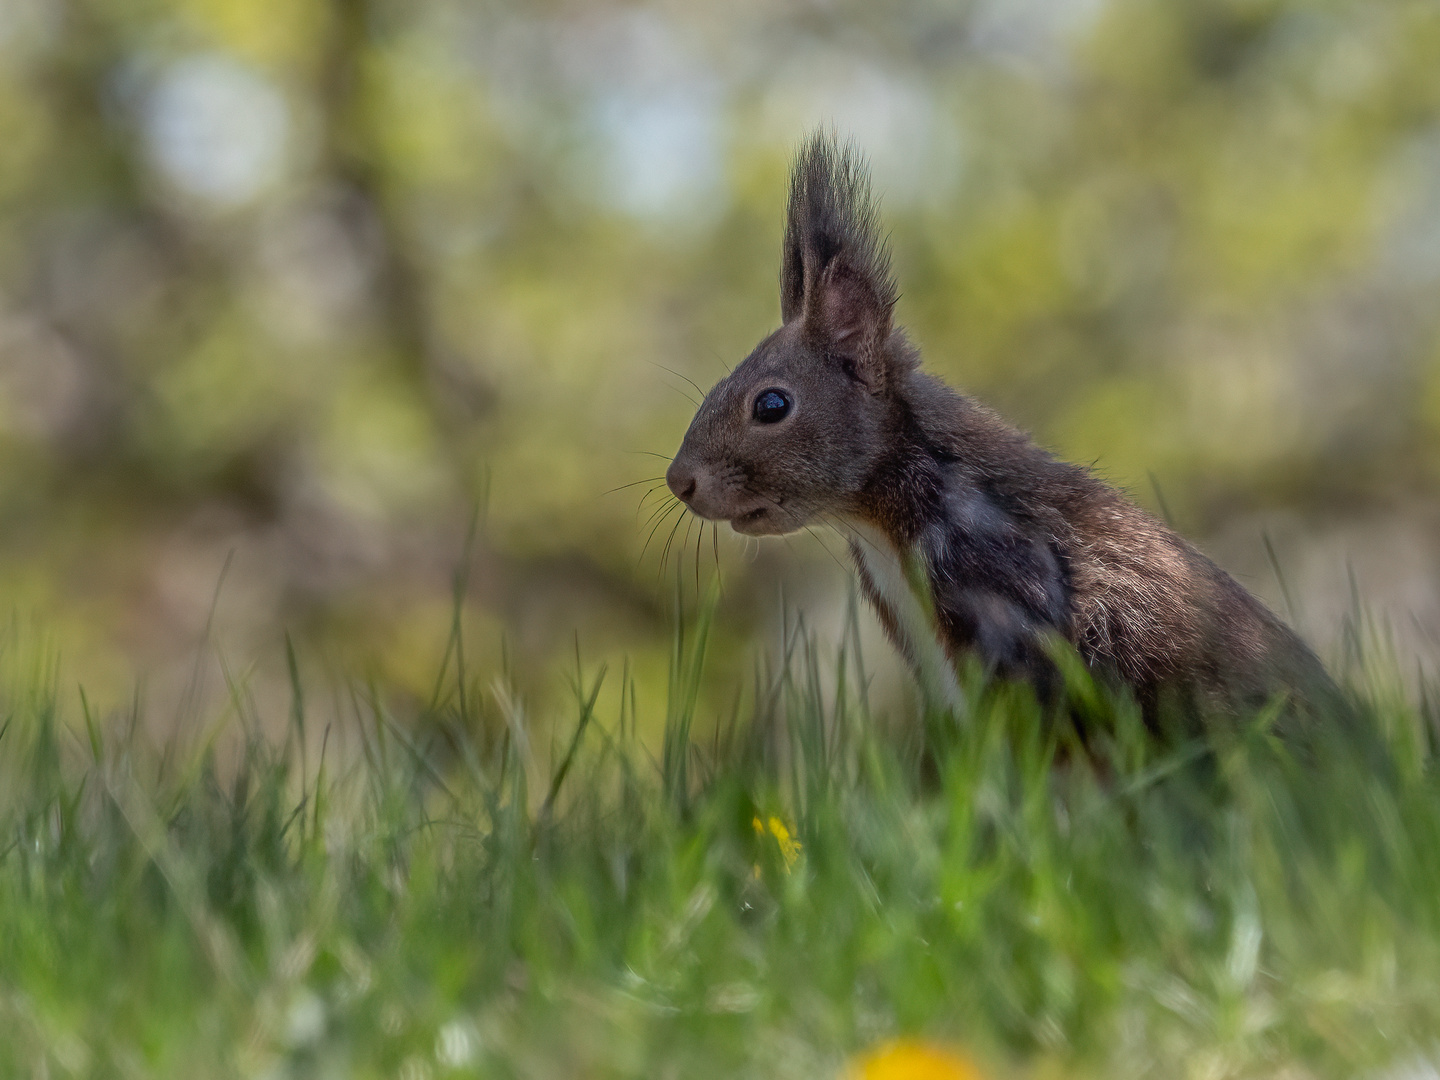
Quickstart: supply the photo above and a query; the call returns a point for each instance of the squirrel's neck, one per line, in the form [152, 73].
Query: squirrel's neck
[905, 491]
[935, 439]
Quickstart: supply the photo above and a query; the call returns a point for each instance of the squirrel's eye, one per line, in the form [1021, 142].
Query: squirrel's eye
[772, 406]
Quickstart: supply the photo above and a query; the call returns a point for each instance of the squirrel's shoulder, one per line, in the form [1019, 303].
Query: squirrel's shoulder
[984, 442]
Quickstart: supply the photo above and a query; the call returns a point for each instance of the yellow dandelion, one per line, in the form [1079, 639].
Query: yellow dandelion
[790, 848]
[907, 1059]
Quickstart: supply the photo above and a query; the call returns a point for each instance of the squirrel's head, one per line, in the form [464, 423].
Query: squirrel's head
[795, 430]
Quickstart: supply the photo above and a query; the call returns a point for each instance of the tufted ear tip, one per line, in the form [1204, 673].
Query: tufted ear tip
[835, 267]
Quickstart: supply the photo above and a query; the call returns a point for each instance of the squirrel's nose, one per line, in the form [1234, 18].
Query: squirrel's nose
[681, 481]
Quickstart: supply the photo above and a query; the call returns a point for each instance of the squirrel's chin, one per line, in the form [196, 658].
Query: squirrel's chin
[765, 522]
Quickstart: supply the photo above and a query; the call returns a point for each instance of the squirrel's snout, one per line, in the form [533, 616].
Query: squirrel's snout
[681, 481]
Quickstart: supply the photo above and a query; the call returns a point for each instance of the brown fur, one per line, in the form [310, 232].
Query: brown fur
[1015, 544]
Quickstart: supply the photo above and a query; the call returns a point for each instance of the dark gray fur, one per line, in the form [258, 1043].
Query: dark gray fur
[1016, 545]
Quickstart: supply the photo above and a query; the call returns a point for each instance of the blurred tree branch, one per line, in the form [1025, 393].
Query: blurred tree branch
[355, 158]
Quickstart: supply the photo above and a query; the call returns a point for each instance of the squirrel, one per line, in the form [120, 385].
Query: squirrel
[967, 537]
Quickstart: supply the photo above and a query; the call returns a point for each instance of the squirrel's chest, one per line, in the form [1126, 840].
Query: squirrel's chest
[896, 586]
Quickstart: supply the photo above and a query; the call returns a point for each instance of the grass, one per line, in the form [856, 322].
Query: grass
[765, 899]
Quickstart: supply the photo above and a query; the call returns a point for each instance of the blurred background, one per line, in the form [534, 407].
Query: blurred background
[290, 290]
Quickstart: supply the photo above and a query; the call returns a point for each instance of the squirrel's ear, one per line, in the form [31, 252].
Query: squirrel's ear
[835, 268]
[845, 314]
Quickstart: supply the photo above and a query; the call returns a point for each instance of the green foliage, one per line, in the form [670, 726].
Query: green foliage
[291, 279]
[766, 902]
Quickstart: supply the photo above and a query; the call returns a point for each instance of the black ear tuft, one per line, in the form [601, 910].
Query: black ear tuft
[831, 217]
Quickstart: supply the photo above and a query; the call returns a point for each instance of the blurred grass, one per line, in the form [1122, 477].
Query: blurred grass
[439, 894]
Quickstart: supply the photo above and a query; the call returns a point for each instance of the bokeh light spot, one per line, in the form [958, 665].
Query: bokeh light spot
[216, 129]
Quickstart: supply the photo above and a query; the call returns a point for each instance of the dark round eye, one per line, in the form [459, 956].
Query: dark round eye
[772, 406]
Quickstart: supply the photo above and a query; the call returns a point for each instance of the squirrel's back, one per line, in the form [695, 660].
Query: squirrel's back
[1141, 601]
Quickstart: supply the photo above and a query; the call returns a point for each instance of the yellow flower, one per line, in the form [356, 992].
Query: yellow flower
[790, 848]
[907, 1059]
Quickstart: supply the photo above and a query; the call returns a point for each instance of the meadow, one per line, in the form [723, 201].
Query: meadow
[287, 287]
[766, 892]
